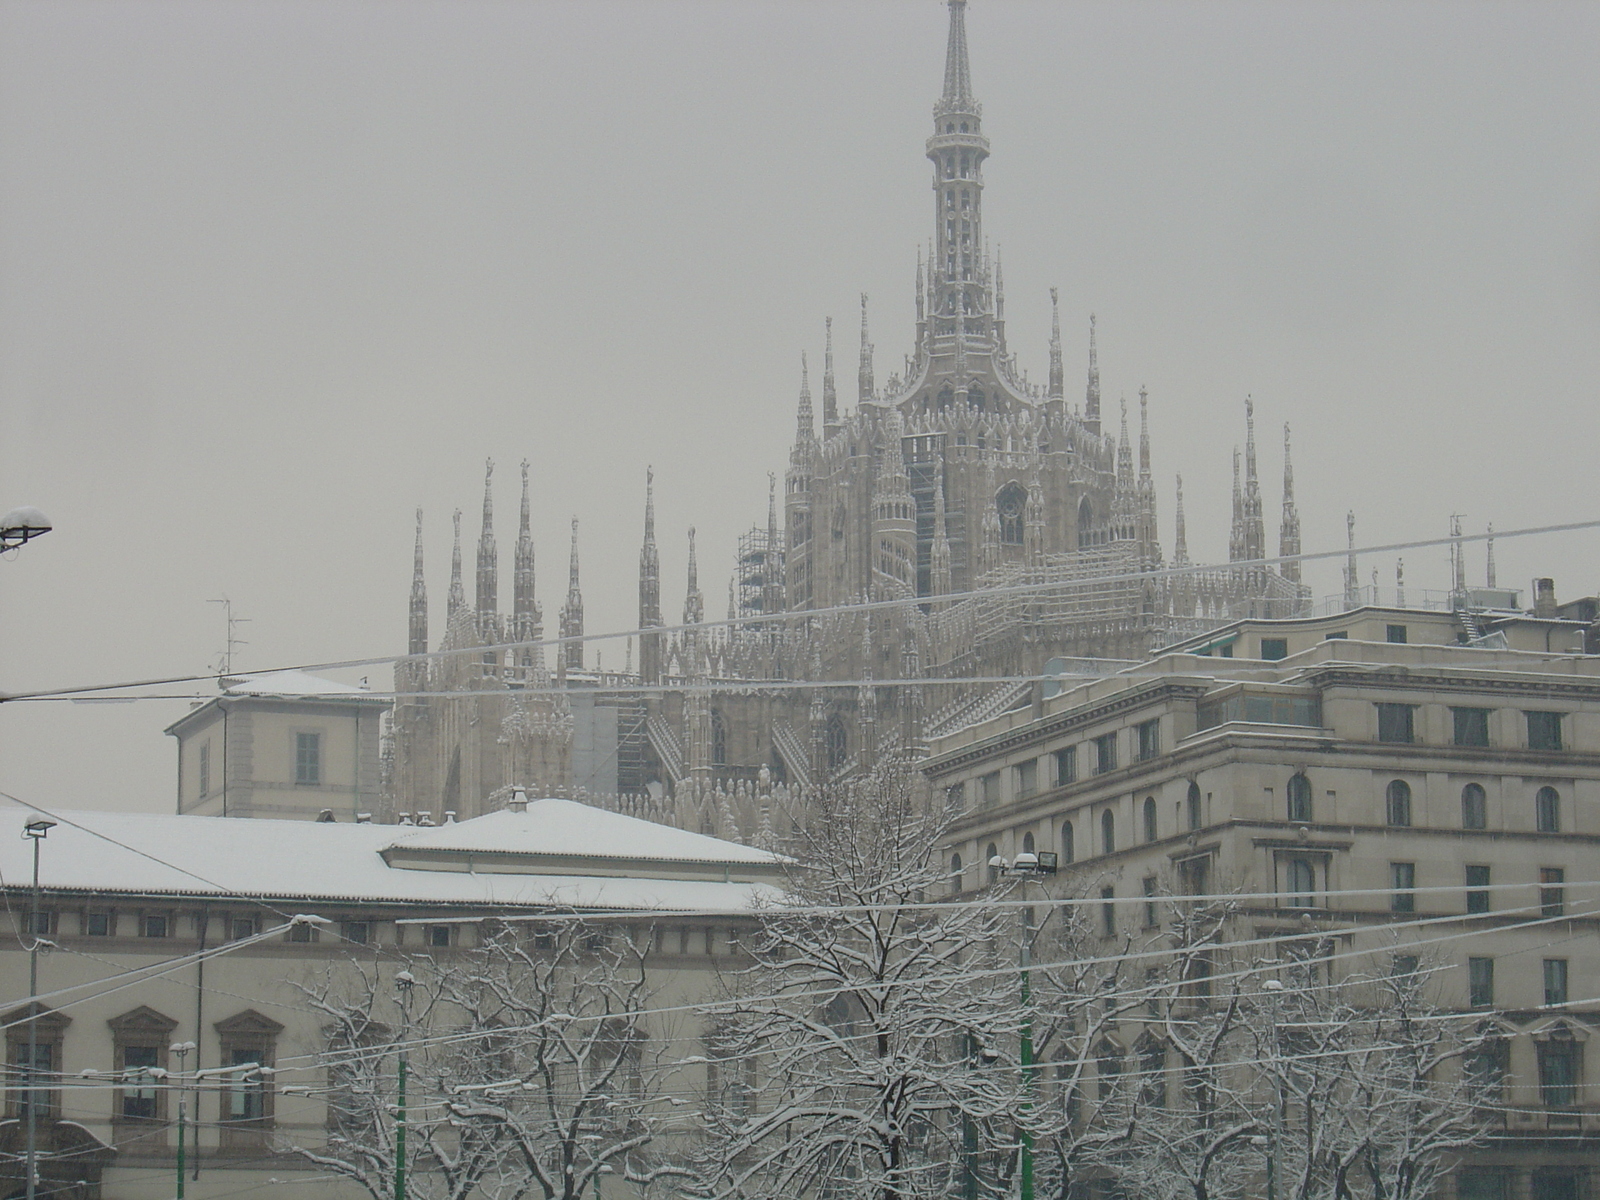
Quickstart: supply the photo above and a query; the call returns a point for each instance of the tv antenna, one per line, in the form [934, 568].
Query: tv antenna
[224, 663]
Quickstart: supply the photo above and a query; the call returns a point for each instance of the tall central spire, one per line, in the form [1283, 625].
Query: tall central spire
[957, 150]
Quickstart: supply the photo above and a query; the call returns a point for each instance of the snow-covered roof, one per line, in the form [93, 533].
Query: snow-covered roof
[565, 828]
[290, 683]
[159, 854]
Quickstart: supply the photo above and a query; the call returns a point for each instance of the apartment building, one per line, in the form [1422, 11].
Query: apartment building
[1349, 788]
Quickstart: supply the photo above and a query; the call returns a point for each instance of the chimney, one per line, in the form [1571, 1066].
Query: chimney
[1544, 598]
[518, 802]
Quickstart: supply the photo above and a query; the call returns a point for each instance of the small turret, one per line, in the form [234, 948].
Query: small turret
[571, 656]
[488, 571]
[417, 644]
[864, 383]
[805, 431]
[1057, 389]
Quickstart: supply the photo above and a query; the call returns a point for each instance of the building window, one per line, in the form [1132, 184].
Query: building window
[1192, 802]
[991, 857]
[249, 1042]
[1475, 1184]
[1554, 1183]
[1477, 889]
[989, 785]
[154, 925]
[302, 933]
[955, 874]
[1471, 726]
[1474, 807]
[1552, 895]
[1149, 739]
[205, 768]
[1108, 832]
[1194, 875]
[1559, 1065]
[1273, 649]
[98, 924]
[358, 932]
[1395, 722]
[308, 758]
[1555, 981]
[1402, 879]
[1107, 1068]
[1108, 911]
[719, 739]
[1544, 730]
[1027, 844]
[835, 742]
[1066, 842]
[1480, 982]
[140, 1042]
[1547, 810]
[1397, 634]
[1011, 503]
[1397, 802]
[31, 1086]
[1150, 914]
[438, 936]
[1066, 765]
[1105, 753]
[1301, 878]
[1027, 778]
[955, 797]
[1149, 818]
[1299, 794]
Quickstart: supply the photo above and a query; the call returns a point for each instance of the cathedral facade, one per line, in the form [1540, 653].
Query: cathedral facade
[929, 551]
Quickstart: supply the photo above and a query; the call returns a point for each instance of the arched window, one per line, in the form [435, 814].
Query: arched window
[1085, 522]
[955, 874]
[1149, 818]
[1107, 1067]
[975, 398]
[992, 852]
[1153, 1073]
[1011, 502]
[1474, 807]
[1299, 792]
[1108, 832]
[1398, 802]
[836, 745]
[1027, 843]
[1547, 810]
[947, 397]
[719, 739]
[1193, 804]
[1066, 841]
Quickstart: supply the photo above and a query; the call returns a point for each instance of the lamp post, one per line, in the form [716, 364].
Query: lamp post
[181, 1049]
[405, 981]
[35, 827]
[1274, 987]
[22, 525]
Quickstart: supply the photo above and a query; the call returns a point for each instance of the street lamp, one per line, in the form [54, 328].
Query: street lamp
[36, 826]
[22, 525]
[405, 981]
[1274, 988]
[182, 1049]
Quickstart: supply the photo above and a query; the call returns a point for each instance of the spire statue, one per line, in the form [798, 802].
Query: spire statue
[650, 588]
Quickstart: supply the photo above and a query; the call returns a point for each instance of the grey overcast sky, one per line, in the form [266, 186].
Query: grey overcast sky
[273, 274]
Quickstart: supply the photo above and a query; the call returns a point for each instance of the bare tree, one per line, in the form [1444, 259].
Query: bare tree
[872, 1019]
[531, 1070]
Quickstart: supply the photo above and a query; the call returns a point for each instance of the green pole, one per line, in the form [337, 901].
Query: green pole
[1027, 1072]
[400, 1137]
[182, 1113]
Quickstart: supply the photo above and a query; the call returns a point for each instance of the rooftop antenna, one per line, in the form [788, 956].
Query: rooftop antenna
[224, 664]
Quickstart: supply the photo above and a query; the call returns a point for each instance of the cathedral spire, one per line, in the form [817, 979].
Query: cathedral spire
[1236, 530]
[571, 655]
[1057, 378]
[458, 594]
[488, 570]
[957, 71]
[1180, 532]
[1489, 565]
[1250, 480]
[650, 587]
[999, 306]
[1144, 436]
[772, 561]
[1252, 529]
[1352, 581]
[694, 605]
[1289, 523]
[805, 422]
[527, 624]
[1091, 400]
[864, 383]
[418, 643]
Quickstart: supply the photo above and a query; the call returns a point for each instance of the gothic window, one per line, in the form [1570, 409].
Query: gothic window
[836, 744]
[1027, 843]
[840, 519]
[963, 127]
[947, 397]
[966, 163]
[975, 398]
[1066, 841]
[1474, 807]
[1547, 810]
[1193, 804]
[1011, 501]
[990, 854]
[719, 739]
[1149, 818]
[1085, 522]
